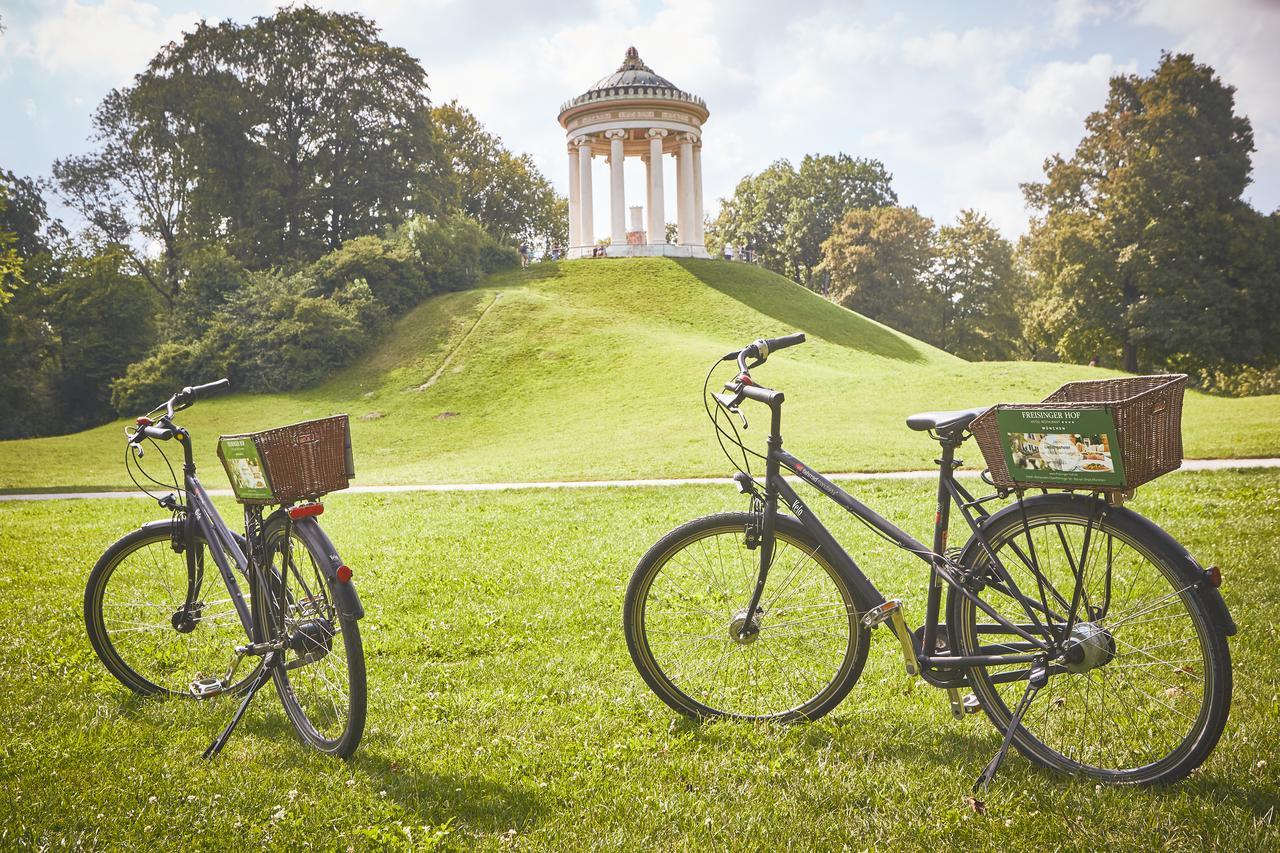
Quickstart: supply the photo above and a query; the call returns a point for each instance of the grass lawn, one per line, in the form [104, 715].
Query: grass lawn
[505, 713]
[593, 369]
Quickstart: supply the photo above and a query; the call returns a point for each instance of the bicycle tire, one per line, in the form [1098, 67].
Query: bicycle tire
[796, 692]
[140, 584]
[1154, 693]
[311, 625]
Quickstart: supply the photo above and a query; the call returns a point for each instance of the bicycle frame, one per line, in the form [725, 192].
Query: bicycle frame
[216, 533]
[943, 570]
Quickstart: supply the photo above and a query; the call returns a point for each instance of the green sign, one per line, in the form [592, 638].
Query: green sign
[244, 468]
[1068, 447]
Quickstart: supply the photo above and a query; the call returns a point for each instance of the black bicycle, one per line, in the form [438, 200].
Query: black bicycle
[164, 624]
[1092, 640]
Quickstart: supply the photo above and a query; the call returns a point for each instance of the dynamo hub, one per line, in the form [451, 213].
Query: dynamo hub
[743, 630]
[1089, 646]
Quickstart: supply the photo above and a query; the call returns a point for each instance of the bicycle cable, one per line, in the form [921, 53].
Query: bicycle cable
[130, 463]
[721, 434]
[745, 468]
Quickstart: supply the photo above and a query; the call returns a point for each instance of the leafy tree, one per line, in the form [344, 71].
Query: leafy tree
[27, 341]
[783, 214]
[282, 138]
[104, 318]
[1142, 248]
[135, 185]
[879, 261]
[980, 290]
[505, 193]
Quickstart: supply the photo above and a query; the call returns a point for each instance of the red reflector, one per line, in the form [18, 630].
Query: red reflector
[745, 379]
[1215, 576]
[143, 420]
[306, 511]
[344, 573]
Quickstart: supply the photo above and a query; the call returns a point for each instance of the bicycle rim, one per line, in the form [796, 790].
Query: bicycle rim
[1146, 700]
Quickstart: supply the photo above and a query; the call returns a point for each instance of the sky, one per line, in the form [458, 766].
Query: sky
[960, 101]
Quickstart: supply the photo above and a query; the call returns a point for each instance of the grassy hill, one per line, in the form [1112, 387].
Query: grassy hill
[592, 369]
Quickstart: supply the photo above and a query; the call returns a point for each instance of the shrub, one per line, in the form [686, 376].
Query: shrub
[389, 267]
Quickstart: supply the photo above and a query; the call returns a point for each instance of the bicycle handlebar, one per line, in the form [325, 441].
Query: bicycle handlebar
[190, 394]
[177, 402]
[761, 349]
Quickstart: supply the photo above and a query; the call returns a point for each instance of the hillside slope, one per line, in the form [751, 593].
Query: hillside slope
[593, 369]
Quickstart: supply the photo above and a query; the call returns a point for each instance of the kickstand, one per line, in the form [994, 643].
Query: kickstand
[259, 680]
[1038, 678]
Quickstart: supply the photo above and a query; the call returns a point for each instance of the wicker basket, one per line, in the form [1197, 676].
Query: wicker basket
[1147, 413]
[289, 464]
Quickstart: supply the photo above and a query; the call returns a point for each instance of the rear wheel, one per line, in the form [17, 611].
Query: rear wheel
[1144, 693]
[694, 644]
[322, 680]
[139, 622]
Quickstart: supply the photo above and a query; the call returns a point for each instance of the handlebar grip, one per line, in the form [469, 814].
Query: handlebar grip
[775, 344]
[156, 433]
[199, 391]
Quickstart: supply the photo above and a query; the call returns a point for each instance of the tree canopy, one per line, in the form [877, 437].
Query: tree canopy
[783, 214]
[1142, 248]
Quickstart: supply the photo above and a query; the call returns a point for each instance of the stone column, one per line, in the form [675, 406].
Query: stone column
[698, 213]
[617, 188]
[586, 226]
[648, 192]
[657, 215]
[684, 189]
[575, 215]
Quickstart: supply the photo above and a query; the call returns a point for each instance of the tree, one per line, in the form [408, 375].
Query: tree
[505, 193]
[979, 290]
[783, 214]
[27, 268]
[880, 261]
[1141, 246]
[104, 318]
[282, 139]
[133, 191]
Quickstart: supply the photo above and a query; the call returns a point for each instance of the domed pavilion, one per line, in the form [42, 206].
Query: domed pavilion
[635, 112]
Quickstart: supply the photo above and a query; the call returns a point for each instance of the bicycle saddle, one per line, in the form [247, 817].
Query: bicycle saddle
[944, 421]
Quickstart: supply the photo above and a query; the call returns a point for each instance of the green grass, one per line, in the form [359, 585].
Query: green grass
[505, 713]
[592, 369]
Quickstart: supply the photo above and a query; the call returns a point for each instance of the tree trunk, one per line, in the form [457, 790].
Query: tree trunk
[1129, 358]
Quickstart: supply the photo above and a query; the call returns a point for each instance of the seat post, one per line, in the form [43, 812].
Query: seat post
[941, 520]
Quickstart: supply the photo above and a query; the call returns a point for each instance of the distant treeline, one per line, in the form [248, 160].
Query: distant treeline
[258, 203]
[1141, 253]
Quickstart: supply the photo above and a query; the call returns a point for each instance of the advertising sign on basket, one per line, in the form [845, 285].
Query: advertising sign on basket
[1058, 446]
[244, 468]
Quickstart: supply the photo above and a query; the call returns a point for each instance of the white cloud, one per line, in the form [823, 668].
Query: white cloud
[113, 40]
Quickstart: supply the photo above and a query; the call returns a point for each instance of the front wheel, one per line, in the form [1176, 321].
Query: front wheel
[157, 620]
[694, 644]
[1143, 693]
[321, 680]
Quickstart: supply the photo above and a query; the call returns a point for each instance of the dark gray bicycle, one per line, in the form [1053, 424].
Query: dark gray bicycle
[164, 606]
[1092, 640]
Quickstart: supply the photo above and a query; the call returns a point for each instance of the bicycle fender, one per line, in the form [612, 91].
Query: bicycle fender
[344, 593]
[1171, 548]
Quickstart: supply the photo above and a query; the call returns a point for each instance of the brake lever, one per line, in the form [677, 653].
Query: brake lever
[134, 442]
[731, 405]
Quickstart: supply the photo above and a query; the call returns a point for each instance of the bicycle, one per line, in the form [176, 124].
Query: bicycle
[160, 625]
[1067, 597]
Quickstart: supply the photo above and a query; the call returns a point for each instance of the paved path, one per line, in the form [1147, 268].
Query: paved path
[1189, 465]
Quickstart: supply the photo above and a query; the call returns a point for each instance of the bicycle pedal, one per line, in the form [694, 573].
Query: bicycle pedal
[207, 688]
[971, 704]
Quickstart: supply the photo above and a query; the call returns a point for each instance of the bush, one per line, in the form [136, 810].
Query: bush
[1239, 382]
[389, 267]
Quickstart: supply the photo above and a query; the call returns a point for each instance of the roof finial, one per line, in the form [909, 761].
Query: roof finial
[632, 61]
